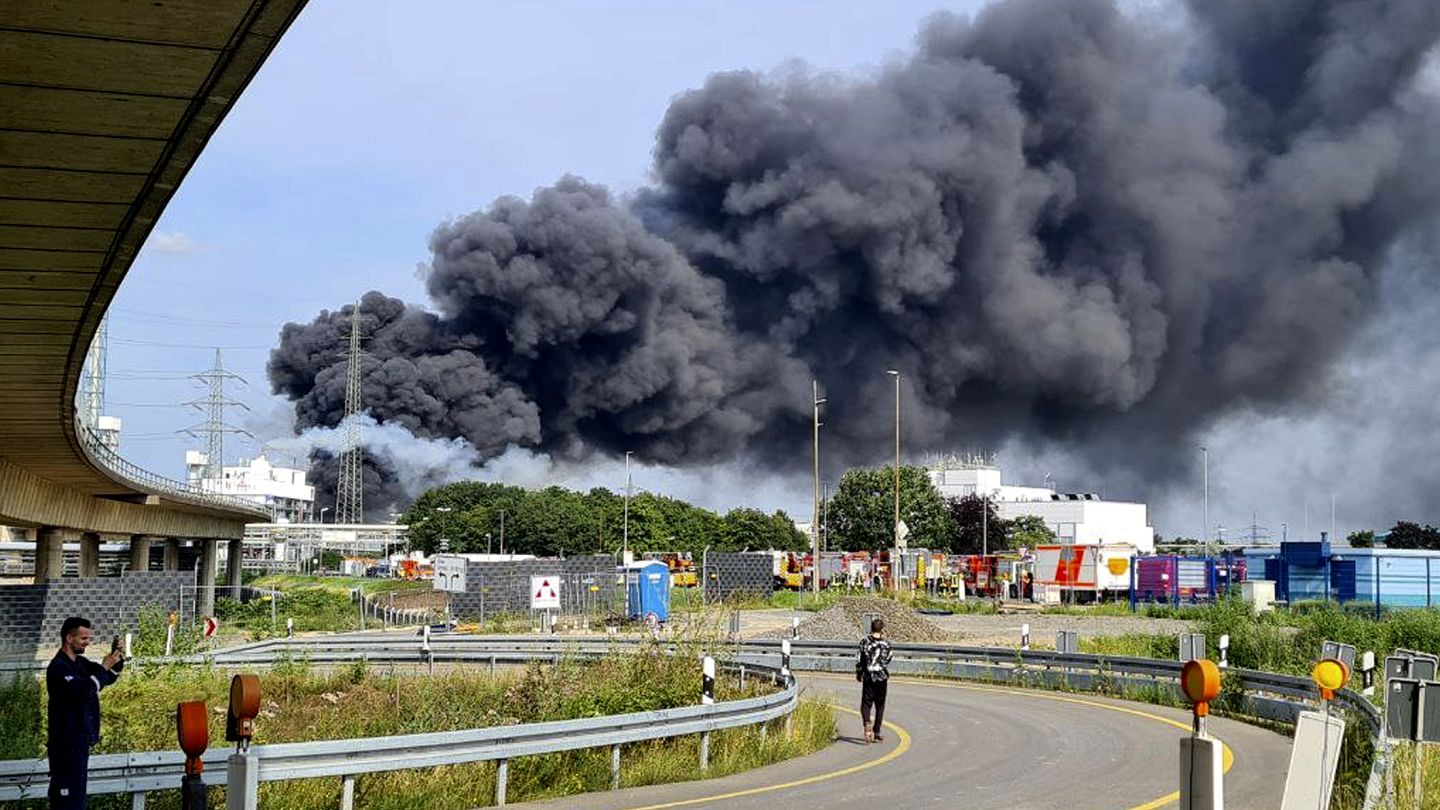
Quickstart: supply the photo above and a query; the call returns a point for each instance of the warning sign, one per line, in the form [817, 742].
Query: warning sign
[544, 593]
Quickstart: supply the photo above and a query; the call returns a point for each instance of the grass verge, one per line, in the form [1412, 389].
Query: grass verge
[303, 703]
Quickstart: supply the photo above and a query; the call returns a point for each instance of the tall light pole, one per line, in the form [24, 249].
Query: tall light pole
[502, 531]
[985, 525]
[625, 549]
[1205, 536]
[894, 568]
[815, 514]
[322, 513]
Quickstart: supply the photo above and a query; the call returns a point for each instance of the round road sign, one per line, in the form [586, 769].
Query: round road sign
[1200, 681]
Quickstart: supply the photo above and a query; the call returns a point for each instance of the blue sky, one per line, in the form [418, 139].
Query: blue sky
[373, 122]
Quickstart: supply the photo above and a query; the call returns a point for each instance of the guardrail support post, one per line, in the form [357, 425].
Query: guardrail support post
[347, 792]
[242, 791]
[615, 767]
[790, 725]
[704, 750]
[137, 801]
[502, 773]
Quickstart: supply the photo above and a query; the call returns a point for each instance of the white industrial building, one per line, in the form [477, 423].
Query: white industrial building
[282, 490]
[1079, 518]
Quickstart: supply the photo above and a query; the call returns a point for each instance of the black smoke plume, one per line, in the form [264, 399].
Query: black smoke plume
[1056, 221]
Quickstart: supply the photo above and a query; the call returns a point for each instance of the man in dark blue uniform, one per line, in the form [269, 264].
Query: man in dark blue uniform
[73, 683]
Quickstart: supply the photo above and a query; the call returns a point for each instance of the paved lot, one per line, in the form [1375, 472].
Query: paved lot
[974, 746]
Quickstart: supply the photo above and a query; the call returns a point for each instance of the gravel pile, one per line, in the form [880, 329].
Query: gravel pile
[846, 619]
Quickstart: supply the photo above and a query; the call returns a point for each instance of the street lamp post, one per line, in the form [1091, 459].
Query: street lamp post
[1205, 535]
[323, 510]
[815, 514]
[895, 570]
[502, 532]
[625, 548]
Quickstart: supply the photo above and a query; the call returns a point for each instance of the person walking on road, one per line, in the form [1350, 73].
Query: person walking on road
[873, 669]
[73, 683]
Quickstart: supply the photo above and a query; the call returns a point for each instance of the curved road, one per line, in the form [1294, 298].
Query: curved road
[957, 744]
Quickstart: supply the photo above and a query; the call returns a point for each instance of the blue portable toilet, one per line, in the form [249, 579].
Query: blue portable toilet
[647, 590]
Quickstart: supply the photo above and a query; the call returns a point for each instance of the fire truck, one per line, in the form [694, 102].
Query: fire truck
[1083, 573]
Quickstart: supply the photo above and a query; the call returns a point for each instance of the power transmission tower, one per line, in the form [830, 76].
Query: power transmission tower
[349, 490]
[92, 379]
[214, 428]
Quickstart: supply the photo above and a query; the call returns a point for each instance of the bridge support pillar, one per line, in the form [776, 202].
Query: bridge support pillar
[172, 554]
[205, 599]
[139, 552]
[89, 555]
[234, 561]
[49, 554]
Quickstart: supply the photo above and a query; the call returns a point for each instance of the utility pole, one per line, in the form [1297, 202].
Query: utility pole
[214, 428]
[815, 514]
[502, 532]
[1205, 536]
[350, 490]
[985, 525]
[894, 566]
[625, 548]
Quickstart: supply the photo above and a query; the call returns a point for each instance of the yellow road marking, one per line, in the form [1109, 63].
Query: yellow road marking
[1227, 756]
[900, 749]
[904, 745]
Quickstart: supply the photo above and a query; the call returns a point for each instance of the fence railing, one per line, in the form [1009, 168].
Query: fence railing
[139, 773]
[105, 457]
[1266, 695]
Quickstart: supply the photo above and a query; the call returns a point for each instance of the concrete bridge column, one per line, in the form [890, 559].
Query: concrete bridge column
[205, 599]
[234, 562]
[89, 555]
[139, 552]
[49, 554]
[172, 554]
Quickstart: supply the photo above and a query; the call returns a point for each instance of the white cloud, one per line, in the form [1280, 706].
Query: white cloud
[176, 243]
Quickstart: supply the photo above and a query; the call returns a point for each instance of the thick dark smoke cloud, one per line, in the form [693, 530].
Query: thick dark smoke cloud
[1058, 222]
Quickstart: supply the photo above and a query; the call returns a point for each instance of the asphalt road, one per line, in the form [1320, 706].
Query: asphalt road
[974, 746]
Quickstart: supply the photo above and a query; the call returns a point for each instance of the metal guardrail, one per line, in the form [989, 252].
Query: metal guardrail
[139, 773]
[1267, 695]
[105, 457]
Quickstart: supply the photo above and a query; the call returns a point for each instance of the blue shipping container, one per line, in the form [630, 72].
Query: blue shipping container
[647, 590]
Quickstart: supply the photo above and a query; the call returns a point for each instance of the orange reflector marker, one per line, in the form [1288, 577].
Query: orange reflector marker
[1200, 681]
[1331, 675]
[193, 729]
[244, 706]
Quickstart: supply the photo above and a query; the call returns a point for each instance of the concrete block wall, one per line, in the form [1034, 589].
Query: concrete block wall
[504, 587]
[31, 615]
[730, 574]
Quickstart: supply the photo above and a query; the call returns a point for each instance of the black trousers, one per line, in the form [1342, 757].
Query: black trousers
[69, 769]
[872, 693]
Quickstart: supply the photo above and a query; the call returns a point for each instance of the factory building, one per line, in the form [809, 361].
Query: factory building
[1076, 518]
[282, 490]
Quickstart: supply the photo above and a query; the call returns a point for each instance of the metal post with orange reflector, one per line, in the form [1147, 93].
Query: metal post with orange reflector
[1202, 769]
[192, 728]
[242, 791]
[1315, 752]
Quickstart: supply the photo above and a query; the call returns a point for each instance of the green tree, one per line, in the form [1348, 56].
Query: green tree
[1412, 535]
[1029, 531]
[1361, 539]
[975, 525]
[862, 510]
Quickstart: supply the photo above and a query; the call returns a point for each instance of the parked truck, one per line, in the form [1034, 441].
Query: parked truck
[1083, 573]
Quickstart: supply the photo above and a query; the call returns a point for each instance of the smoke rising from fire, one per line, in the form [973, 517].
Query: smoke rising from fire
[1059, 222]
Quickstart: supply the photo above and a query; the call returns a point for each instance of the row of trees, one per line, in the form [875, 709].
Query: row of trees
[468, 517]
[1402, 535]
[479, 517]
[861, 516]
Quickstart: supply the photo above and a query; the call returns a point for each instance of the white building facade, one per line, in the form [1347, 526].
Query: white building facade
[282, 490]
[1078, 518]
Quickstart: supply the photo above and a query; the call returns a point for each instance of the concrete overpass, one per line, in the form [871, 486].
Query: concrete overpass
[104, 107]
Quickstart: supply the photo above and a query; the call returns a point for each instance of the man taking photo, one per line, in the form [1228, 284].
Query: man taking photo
[73, 683]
